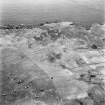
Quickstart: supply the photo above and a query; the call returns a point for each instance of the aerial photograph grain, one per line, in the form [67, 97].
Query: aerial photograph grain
[52, 52]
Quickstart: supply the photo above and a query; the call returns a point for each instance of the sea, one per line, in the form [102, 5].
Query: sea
[24, 13]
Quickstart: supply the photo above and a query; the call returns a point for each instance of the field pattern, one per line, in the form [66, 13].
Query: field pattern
[52, 64]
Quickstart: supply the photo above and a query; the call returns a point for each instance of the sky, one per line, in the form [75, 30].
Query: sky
[35, 11]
